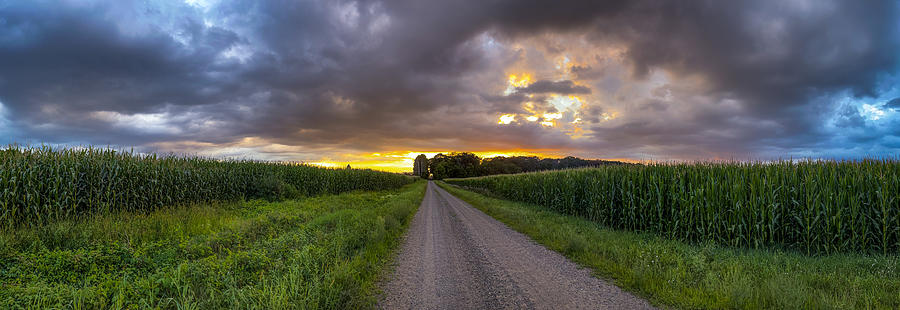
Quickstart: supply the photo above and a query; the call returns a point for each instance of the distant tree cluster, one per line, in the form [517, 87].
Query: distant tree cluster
[463, 165]
[420, 166]
[454, 165]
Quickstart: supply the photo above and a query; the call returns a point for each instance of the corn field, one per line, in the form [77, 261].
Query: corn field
[39, 185]
[812, 206]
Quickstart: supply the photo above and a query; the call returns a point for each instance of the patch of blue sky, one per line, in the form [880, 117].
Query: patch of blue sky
[860, 127]
[7, 132]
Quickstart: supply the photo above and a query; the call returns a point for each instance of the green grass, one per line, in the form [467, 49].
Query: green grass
[321, 252]
[810, 206]
[707, 276]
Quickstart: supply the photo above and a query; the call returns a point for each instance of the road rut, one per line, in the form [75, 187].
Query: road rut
[456, 257]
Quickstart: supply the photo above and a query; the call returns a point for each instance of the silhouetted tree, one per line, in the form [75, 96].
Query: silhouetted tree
[455, 165]
[463, 165]
[420, 166]
[499, 165]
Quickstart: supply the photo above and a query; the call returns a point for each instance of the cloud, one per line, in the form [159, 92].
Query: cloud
[559, 87]
[759, 62]
[893, 104]
[654, 78]
[849, 117]
[587, 72]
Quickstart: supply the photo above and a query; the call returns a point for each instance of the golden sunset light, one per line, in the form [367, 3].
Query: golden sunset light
[506, 119]
[401, 161]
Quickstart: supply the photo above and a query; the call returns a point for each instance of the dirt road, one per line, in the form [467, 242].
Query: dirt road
[456, 257]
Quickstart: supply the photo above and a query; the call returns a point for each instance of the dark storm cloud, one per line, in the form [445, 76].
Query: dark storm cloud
[368, 74]
[559, 87]
[48, 54]
[61, 64]
[765, 53]
[894, 103]
[587, 72]
[771, 57]
[777, 61]
[58, 64]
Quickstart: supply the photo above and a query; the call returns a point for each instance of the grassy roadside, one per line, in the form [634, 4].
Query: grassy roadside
[680, 275]
[322, 252]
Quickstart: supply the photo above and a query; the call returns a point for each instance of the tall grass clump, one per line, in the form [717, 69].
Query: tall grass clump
[39, 185]
[810, 206]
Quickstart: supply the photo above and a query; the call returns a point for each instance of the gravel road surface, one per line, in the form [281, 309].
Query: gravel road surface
[456, 257]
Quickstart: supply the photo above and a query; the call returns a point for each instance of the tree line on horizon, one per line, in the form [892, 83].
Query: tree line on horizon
[464, 165]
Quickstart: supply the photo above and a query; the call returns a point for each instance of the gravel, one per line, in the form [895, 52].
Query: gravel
[456, 257]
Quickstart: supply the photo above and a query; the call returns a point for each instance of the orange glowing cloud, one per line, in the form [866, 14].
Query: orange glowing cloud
[506, 119]
[517, 81]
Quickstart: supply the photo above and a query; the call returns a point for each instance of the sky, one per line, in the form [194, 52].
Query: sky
[375, 83]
